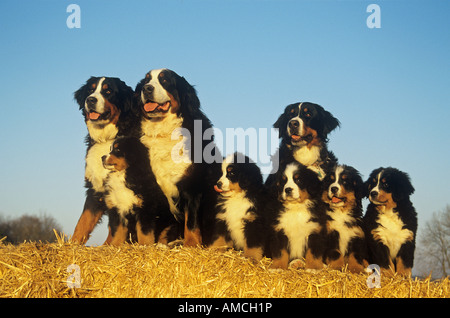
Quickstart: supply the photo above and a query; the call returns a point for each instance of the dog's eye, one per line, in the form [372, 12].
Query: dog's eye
[284, 178]
[296, 177]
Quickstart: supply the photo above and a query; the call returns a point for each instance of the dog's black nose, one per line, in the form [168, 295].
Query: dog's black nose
[219, 184]
[91, 101]
[334, 190]
[294, 123]
[148, 89]
[103, 158]
[288, 190]
[374, 194]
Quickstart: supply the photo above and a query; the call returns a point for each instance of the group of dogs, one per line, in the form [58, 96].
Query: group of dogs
[308, 213]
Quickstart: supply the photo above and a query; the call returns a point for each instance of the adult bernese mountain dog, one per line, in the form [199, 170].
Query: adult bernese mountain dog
[106, 103]
[239, 214]
[299, 221]
[303, 129]
[391, 220]
[173, 128]
[134, 198]
[346, 244]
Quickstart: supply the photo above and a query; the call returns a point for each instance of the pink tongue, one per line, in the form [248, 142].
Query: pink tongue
[149, 107]
[296, 137]
[94, 115]
[217, 189]
[335, 200]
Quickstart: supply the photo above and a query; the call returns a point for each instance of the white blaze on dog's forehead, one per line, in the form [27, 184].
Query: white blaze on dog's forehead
[377, 187]
[160, 95]
[100, 106]
[300, 121]
[289, 173]
[337, 174]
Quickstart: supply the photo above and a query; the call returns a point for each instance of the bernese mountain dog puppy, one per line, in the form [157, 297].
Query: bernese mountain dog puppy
[173, 128]
[346, 244]
[303, 129]
[239, 218]
[107, 106]
[134, 198]
[298, 224]
[391, 220]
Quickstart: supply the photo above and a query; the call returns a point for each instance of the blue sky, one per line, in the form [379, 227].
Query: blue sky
[389, 87]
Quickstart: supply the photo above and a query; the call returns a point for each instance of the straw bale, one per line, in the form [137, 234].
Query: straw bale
[35, 269]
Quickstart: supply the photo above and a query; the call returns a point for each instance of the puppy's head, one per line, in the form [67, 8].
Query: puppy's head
[343, 188]
[104, 99]
[305, 124]
[239, 173]
[386, 187]
[297, 184]
[126, 152]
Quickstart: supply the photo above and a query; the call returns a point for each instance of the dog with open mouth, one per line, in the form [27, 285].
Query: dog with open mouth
[346, 244]
[239, 217]
[390, 222]
[107, 106]
[169, 108]
[303, 129]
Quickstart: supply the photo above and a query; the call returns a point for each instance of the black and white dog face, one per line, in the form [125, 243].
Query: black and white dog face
[305, 124]
[239, 174]
[163, 92]
[343, 188]
[297, 184]
[386, 187]
[103, 99]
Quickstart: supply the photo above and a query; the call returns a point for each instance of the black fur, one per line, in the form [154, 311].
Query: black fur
[193, 185]
[396, 183]
[120, 96]
[152, 215]
[308, 181]
[343, 194]
[314, 117]
[241, 172]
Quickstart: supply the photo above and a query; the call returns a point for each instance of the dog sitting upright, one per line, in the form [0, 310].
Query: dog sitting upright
[391, 221]
[299, 221]
[303, 129]
[239, 220]
[134, 198]
[107, 106]
[346, 244]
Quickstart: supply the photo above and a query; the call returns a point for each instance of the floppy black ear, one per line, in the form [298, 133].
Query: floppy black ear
[187, 95]
[330, 123]
[403, 186]
[127, 95]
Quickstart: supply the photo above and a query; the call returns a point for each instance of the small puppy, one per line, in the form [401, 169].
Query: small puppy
[299, 221]
[391, 221]
[133, 195]
[343, 193]
[239, 221]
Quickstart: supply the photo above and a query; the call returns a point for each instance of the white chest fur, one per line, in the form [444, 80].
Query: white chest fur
[338, 223]
[94, 171]
[310, 157]
[167, 152]
[296, 225]
[391, 232]
[119, 196]
[235, 215]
